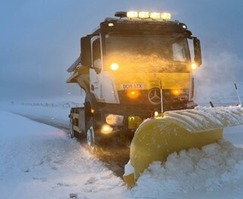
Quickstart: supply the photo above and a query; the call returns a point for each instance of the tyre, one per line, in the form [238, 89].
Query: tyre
[72, 132]
[90, 137]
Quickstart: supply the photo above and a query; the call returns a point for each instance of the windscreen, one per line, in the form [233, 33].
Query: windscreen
[147, 53]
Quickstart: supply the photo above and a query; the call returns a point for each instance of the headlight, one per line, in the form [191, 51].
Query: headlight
[114, 120]
[114, 66]
[194, 66]
[106, 129]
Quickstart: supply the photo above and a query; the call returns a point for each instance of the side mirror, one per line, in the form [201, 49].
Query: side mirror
[85, 51]
[197, 51]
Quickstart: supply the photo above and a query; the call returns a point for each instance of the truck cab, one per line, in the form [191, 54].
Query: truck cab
[132, 67]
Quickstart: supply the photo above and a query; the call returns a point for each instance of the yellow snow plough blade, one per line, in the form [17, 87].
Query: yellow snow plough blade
[179, 130]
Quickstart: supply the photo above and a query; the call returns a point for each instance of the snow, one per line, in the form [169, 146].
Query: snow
[209, 118]
[195, 173]
[40, 161]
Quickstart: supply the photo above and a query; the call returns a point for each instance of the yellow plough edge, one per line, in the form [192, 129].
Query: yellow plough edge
[156, 138]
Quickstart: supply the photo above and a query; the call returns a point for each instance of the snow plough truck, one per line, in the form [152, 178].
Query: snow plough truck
[140, 65]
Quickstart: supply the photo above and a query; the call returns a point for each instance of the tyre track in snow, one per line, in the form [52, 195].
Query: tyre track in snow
[114, 156]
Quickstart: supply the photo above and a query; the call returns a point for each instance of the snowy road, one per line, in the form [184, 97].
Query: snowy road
[115, 157]
[39, 161]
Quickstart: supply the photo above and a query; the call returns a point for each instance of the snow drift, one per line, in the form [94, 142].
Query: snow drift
[208, 170]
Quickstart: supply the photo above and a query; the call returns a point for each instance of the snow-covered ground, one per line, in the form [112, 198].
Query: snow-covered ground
[40, 161]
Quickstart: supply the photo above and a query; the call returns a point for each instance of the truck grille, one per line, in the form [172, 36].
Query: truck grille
[151, 98]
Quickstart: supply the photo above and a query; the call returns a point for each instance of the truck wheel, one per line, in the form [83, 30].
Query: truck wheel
[90, 138]
[72, 132]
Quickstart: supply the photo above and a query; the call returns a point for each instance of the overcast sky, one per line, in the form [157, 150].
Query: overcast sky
[40, 39]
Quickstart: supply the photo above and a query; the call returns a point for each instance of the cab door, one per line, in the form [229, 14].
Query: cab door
[96, 68]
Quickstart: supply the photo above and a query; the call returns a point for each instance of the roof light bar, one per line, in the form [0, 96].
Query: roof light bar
[155, 15]
[149, 15]
[165, 16]
[143, 15]
[132, 14]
